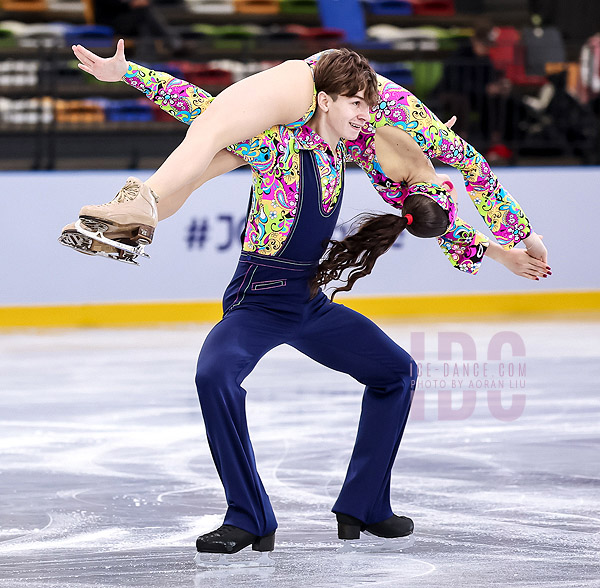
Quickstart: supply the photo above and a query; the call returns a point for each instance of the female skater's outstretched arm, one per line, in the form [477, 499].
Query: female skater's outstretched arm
[280, 95]
[117, 68]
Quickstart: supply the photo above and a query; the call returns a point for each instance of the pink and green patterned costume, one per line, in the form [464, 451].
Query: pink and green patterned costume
[274, 157]
[462, 244]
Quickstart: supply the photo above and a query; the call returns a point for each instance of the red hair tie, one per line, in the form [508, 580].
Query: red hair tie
[409, 219]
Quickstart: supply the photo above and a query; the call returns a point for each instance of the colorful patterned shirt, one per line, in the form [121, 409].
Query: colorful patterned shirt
[274, 157]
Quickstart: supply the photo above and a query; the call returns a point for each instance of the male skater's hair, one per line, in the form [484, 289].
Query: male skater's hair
[376, 233]
[342, 72]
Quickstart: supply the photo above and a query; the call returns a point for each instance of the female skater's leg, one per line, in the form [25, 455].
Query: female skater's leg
[280, 95]
[165, 207]
[222, 163]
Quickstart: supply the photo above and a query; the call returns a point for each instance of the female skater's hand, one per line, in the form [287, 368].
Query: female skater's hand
[519, 262]
[109, 69]
[535, 247]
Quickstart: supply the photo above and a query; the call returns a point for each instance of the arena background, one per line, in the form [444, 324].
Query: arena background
[521, 76]
[195, 252]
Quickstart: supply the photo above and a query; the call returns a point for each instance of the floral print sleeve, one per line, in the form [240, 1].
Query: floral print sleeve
[185, 101]
[500, 211]
[179, 98]
[462, 244]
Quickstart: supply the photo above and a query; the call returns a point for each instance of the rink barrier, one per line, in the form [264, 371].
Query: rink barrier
[549, 305]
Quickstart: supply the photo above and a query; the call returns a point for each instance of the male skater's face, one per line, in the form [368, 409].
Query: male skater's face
[348, 115]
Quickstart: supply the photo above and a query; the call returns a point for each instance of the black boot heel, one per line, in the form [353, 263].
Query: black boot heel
[348, 527]
[348, 531]
[266, 543]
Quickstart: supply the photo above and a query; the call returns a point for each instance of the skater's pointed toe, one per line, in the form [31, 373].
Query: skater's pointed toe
[230, 539]
[350, 527]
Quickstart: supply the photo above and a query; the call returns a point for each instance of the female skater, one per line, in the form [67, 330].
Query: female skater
[394, 151]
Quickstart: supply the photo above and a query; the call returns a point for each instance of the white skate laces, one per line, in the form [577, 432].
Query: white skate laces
[128, 192]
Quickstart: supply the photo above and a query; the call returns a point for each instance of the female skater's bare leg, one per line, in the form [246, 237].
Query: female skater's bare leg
[280, 95]
[222, 163]
[165, 207]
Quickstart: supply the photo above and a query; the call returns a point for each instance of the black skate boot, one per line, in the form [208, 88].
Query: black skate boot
[395, 527]
[216, 547]
[230, 539]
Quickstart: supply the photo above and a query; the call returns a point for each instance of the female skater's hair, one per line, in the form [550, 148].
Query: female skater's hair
[376, 233]
[342, 72]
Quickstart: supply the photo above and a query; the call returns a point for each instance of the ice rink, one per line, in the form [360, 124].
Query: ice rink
[106, 478]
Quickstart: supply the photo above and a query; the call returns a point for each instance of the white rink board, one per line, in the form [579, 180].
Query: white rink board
[36, 270]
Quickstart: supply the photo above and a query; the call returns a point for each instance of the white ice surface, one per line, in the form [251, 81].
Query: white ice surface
[106, 478]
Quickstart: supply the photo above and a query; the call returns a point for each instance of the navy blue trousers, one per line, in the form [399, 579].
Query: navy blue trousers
[267, 304]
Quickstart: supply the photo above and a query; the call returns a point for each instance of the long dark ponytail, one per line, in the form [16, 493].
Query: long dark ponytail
[375, 234]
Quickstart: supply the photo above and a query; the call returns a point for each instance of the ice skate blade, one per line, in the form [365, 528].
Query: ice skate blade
[373, 544]
[242, 559]
[124, 252]
[77, 242]
[87, 246]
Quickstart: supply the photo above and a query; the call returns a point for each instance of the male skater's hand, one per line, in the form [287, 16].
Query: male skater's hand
[105, 69]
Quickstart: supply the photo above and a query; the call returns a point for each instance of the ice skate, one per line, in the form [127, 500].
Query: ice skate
[220, 546]
[130, 217]
[392, 534]
[78, 237]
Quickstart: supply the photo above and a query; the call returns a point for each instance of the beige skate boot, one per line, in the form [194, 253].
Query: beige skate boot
[131, 215]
